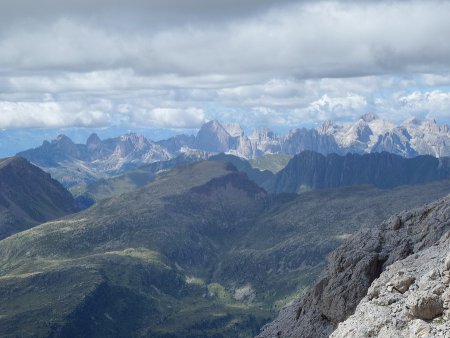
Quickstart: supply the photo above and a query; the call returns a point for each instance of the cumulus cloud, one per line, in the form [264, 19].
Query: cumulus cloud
[176, 63]
[432, 104]
[337, 108]
[51, 114]
[190, 117]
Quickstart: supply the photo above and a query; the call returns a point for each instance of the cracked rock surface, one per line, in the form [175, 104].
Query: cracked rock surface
[391, 281]
[421, 310]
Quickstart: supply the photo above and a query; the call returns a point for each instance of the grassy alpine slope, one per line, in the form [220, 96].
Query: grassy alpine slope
[137, 178]
[271, 162]
[200, 252]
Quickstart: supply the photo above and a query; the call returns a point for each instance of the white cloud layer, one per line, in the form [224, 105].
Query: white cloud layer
[51, 114]
[177, 63]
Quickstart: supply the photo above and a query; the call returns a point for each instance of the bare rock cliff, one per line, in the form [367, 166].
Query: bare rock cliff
[397, 273]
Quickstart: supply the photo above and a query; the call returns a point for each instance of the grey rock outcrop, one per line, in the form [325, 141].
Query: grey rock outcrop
[405, 256]
[420, 311]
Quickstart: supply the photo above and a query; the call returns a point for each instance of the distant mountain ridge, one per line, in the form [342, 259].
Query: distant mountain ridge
[370, 134]
[306, 171]
[310, 170]
[109, 154]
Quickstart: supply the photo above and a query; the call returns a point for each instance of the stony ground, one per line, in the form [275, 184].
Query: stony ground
[410, 299]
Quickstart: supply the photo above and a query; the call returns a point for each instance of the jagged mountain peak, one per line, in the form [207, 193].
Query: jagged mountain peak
[132, 137]
[234, 129]
[411, 120]
[328, 127]
[369, 117]
[133, 142]
[360, 131]
[93, 140]
[431, 125]
[63, 139]
[262, 133]
[213, 125]
[213, 137]
[293, 131]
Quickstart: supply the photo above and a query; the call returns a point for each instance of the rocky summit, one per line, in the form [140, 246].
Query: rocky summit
[391, 281]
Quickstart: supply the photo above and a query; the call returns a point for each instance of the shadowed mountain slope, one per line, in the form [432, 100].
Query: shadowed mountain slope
[201, 251]
[29, 196]
[309, 170]
[131, 180]
[137, 178]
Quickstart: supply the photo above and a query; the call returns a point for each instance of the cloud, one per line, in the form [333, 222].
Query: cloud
[432, 104]
[337, 108]
[52, 114]
[306, 40]
[190, 117]
[136, 12]
[98, 113]
[176, 63]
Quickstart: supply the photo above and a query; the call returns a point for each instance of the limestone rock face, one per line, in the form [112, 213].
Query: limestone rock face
[420, 311]
[425, 305]
[392, 281]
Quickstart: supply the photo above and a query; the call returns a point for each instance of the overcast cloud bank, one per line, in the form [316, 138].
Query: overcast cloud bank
[177, 63]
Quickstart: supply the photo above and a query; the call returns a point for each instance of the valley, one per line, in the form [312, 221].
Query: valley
[200, 251]
[224, 169]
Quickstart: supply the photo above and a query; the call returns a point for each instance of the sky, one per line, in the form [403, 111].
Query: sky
[174, 64]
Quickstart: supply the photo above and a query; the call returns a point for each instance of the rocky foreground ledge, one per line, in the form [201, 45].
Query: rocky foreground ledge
[392, 281]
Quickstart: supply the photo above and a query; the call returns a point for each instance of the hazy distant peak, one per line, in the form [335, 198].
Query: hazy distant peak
[262, 132]
[134, 139]
[369, 117]
[93, 139]
[63, 138]
[328, 127]
[214, 124]
[412, 120]
[234, 129]
[293, 131]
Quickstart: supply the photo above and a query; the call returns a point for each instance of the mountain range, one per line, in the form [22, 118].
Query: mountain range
[188, 239]
[310, 170]
[305, 171]
[368, 134]
[200, 251]
[73, 163]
